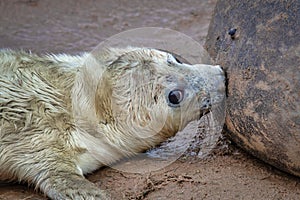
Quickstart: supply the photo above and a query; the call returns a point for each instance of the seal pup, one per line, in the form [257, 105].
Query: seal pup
[64, 116]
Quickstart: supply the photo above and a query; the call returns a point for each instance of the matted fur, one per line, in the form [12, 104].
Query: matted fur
[63, 116]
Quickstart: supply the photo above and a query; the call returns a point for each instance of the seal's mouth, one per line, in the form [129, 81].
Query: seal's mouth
[204, 112]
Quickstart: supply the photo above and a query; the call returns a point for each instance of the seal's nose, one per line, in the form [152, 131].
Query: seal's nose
[206, 104]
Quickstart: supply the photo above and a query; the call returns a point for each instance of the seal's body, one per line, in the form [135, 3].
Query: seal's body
[64, 116]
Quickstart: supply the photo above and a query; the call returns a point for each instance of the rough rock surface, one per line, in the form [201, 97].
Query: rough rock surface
[258, 43]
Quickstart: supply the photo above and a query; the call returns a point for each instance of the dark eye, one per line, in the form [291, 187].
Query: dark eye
[175, 97]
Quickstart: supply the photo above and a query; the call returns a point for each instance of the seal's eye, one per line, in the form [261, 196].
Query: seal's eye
[175, 97]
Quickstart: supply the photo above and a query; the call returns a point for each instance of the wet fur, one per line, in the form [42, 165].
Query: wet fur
[59, 120]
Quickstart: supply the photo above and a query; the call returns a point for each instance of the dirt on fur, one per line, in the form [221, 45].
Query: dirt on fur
[75, 26]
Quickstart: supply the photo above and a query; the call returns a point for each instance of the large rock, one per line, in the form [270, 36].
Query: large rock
[258, 44]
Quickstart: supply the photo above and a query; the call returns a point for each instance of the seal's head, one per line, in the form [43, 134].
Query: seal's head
[143, 96]
[148, 95]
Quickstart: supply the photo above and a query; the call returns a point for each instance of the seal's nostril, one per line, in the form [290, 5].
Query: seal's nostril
[206, 104]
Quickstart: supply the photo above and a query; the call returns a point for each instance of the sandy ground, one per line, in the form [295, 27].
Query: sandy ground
[234, 176]
[50, 26]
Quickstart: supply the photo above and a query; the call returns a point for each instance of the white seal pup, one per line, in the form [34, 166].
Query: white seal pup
[61, 118]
